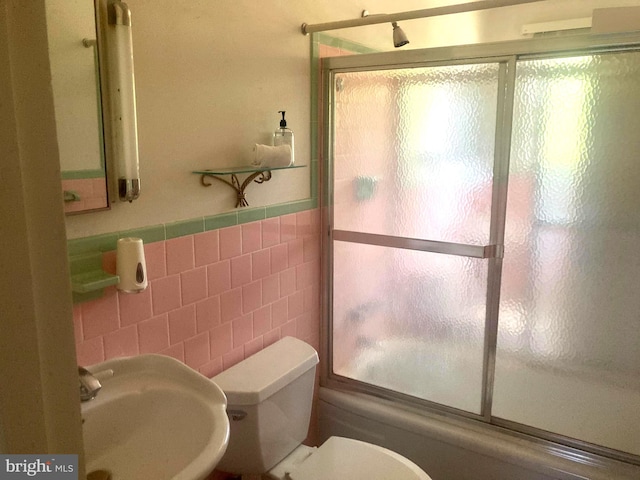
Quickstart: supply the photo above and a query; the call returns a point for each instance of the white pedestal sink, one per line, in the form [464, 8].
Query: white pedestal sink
[154, 418]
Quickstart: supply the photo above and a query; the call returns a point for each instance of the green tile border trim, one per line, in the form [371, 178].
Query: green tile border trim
[183, 228]
[292, 207]
[252, 215]
[215, 222]
[156, 233]
[96, 243]
[147, 234]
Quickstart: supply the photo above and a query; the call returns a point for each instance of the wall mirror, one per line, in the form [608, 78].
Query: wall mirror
[75, 77]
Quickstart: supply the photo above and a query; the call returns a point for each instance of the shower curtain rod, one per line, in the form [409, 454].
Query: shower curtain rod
[429, 12]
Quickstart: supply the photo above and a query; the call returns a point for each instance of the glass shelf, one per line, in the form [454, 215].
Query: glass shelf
[256, 174]
[244, 169]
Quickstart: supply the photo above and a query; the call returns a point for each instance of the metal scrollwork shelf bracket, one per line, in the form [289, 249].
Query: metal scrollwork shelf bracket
[259, 176]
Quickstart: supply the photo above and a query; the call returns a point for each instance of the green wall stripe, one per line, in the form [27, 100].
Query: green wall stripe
[151, 234]
[251, 215]
[184, 227]
[220, 221]
[96, 243]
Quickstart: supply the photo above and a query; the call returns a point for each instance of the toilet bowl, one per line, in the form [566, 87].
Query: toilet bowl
[269, 397]
[341, 457]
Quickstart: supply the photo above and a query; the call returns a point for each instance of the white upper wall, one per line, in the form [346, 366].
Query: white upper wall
[212, 75]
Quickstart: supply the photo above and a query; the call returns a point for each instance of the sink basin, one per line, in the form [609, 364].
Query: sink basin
[154, 418]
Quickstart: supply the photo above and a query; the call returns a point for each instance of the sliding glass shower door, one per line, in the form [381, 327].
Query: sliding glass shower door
[484, 238]
[413, 182]
[568, 356]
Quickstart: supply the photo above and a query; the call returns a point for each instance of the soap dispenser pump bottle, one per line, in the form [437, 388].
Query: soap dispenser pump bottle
[284, 136]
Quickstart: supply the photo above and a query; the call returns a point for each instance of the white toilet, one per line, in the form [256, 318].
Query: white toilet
[269, 399]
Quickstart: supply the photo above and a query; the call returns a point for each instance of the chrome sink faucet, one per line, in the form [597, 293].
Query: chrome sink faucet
[89, 385]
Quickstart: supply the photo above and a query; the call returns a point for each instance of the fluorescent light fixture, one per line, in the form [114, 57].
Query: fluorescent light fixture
[122, 94]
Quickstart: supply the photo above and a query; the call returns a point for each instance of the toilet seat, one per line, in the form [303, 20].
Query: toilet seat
[341, 457]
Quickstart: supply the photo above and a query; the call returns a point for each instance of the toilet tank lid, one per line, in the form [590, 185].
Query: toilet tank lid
[262, 374]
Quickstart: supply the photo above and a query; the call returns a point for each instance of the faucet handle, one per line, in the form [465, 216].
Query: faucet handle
[89, 385]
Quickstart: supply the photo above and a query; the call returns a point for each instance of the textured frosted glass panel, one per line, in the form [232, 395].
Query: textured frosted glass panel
[410, 321]
[568, 357]
[414, 151]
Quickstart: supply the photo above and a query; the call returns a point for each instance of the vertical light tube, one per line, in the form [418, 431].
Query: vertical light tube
[124, 131]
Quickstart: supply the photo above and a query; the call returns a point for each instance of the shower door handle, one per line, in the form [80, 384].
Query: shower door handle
[432, 246]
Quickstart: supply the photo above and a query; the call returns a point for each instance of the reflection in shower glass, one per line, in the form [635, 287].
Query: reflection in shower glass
[568, 358]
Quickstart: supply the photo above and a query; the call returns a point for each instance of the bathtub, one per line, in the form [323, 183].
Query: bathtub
[448, 448]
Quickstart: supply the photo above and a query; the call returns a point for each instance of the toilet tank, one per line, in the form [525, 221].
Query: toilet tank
[269, 397]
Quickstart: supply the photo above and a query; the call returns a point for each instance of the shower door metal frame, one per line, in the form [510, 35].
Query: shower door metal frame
[507, 54]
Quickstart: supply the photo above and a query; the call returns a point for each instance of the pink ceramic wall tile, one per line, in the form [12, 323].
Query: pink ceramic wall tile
[288, 329]
[180, 254]
[287, 227]
[193, 285]
[287, 282]
[233, 357]
[270, 232]
[279, 312]
[279, 258]
[296, 252]
[156, 260]
[303, 220]
[230, 242]
[240, 270]
[271, 337]
[176, 351]
[212, 368]
[296, 304]
[221, 340]
[219, 277]
[165, 294]
[206, 247]
[77, 323]
[260, 264]
[175, 317]
[270, 289]
[242, 330]
[208, 314]
[153, 334]
[315, 221]
[307, 274]
[251, 237]
[254, 346]
[312, 298]
[122, 343]
[305, 326]
[196, 350]
[90, 351]
[230, 305]
[311, 247]
[134, 307]
[251, 297]
[262, 320]
[182, 324]
[109, 262]
[100, 316]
